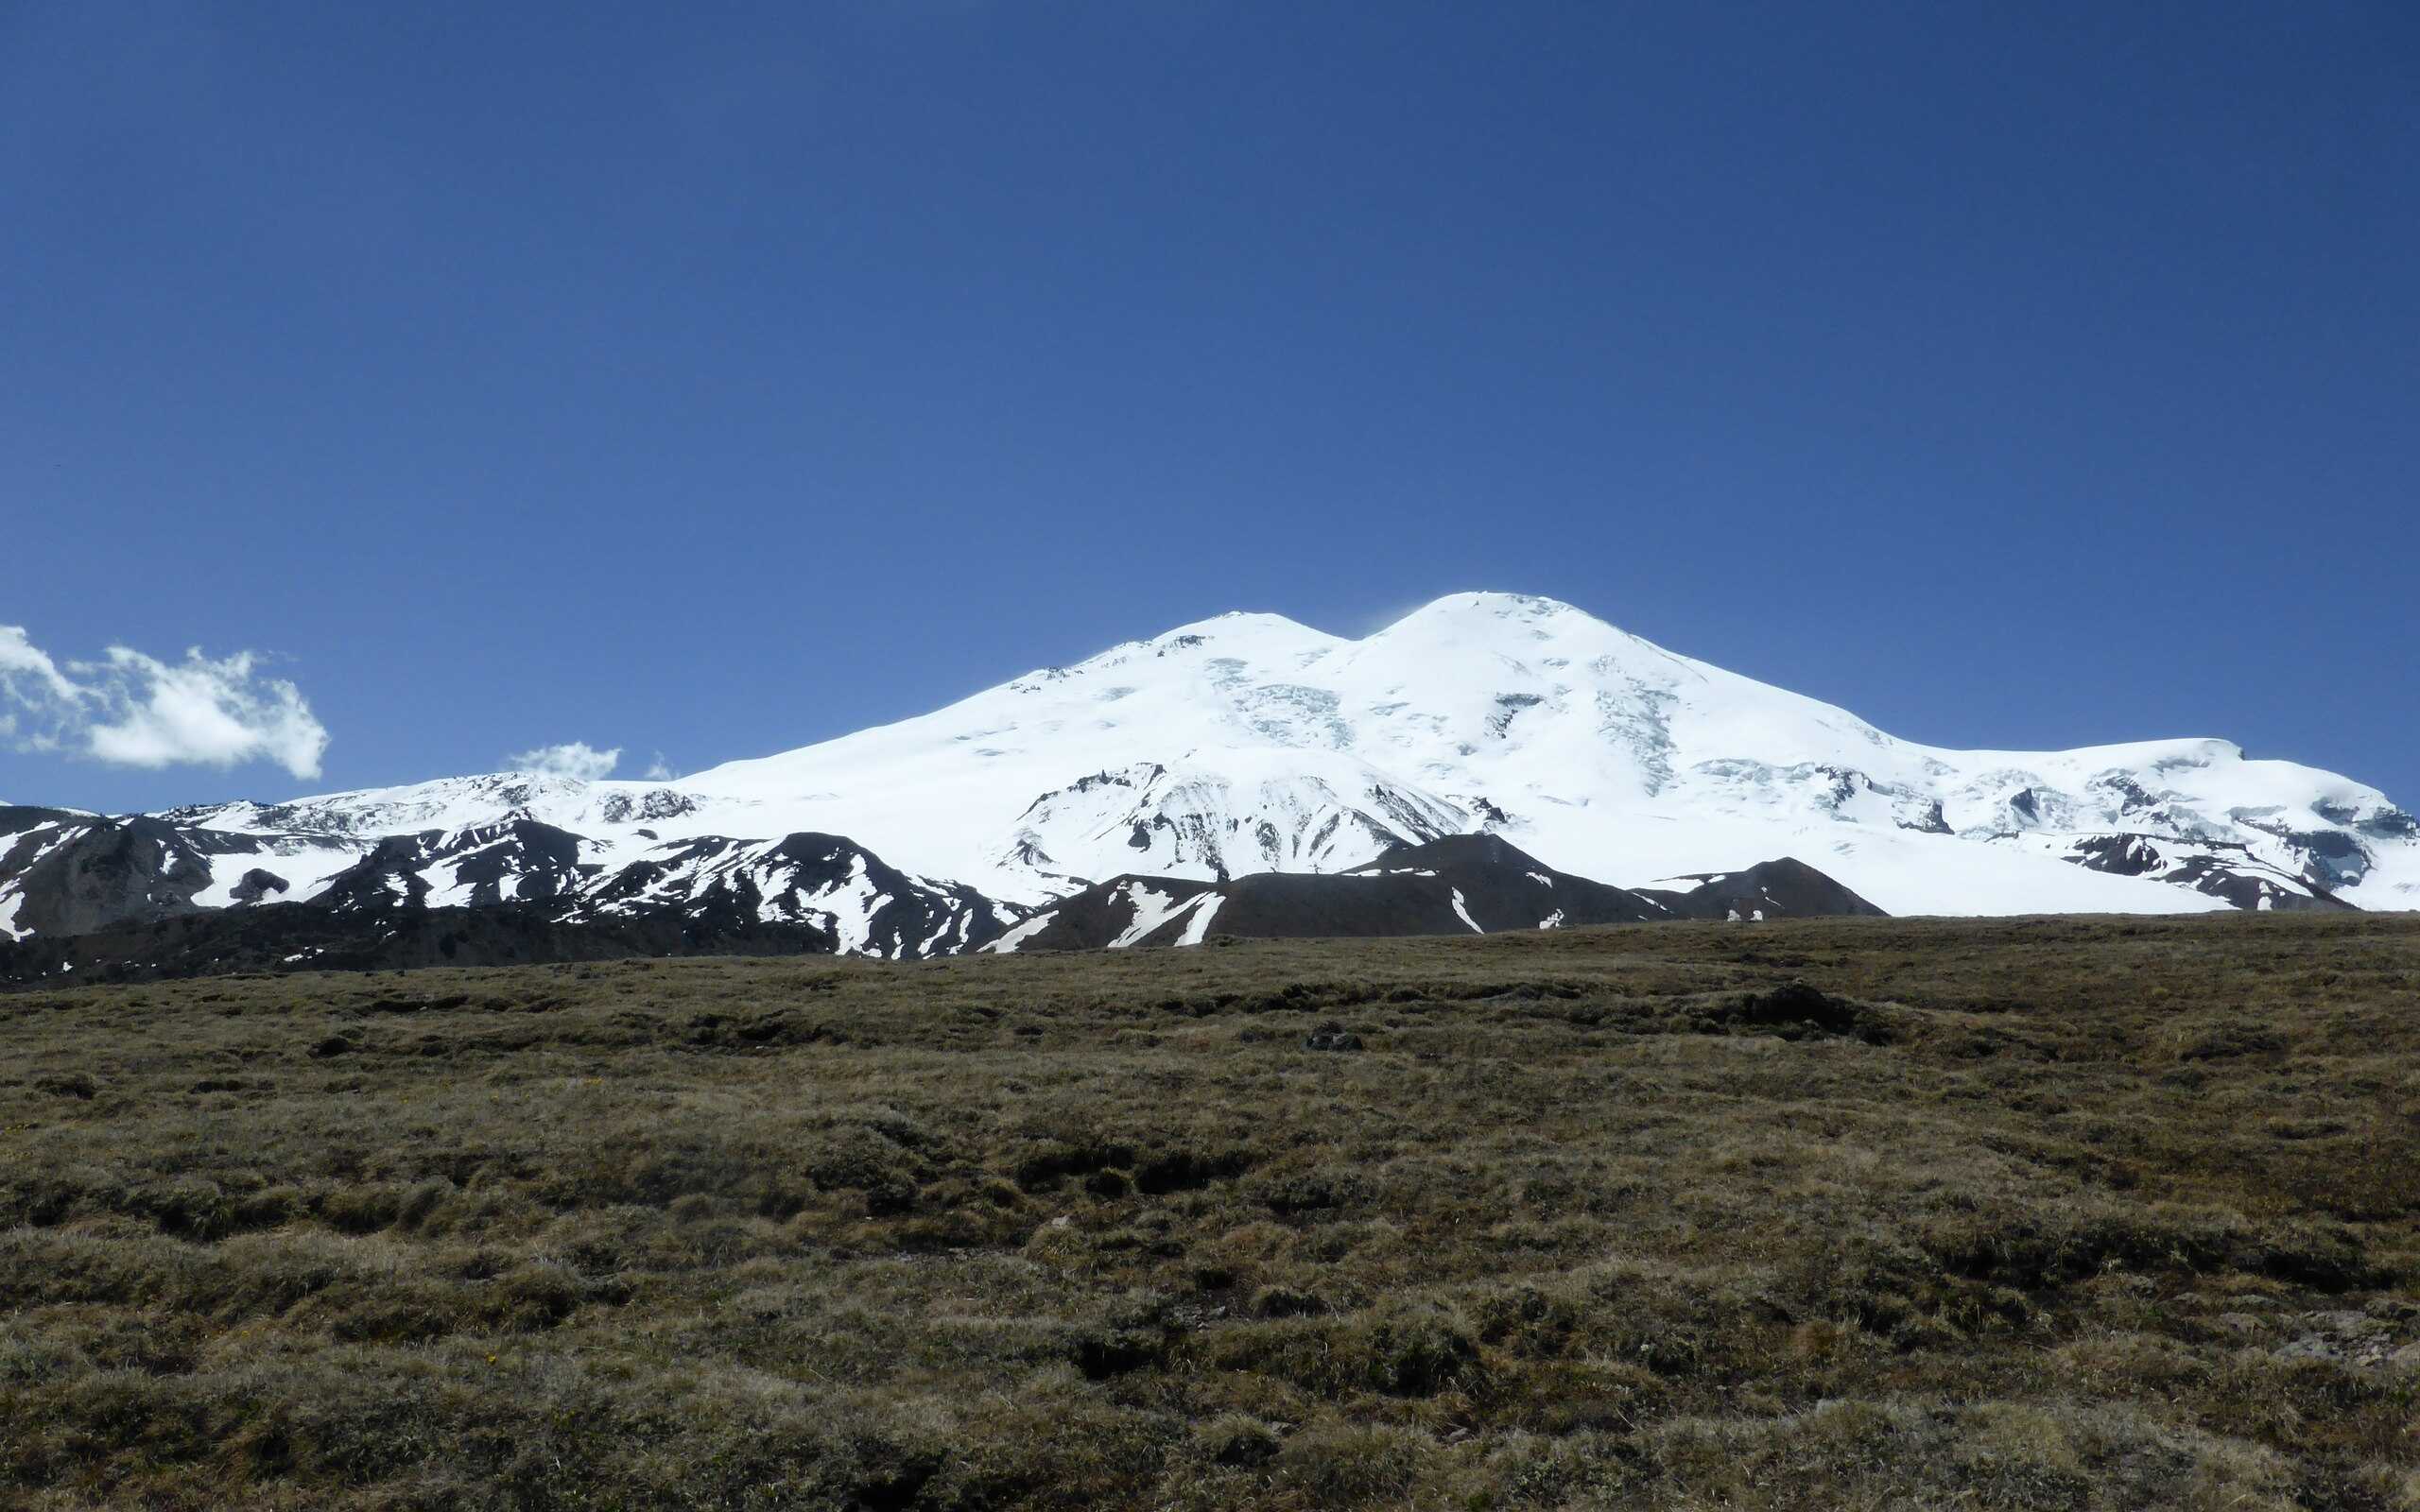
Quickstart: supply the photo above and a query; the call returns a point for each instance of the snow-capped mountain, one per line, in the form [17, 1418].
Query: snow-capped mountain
[1251, 743]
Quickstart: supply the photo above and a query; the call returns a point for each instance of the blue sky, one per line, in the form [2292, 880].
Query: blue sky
[710, 380]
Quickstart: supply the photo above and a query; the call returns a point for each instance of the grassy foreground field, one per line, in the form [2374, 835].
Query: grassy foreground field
[2041, 1213]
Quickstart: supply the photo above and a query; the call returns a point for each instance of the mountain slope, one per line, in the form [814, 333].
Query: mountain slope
[70, 875]
[1787, 889]
[1251, 743]
[1465, 884]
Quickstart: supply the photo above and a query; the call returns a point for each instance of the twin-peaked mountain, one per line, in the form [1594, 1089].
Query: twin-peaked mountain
[1233, 753]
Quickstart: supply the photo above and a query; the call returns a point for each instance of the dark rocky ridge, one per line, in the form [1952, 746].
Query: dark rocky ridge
[716, 878]
[103, 882]
[278, 938]
[89, 871]
[2219, 868]
[1462, 885]
[376, 918]
[1787, 889]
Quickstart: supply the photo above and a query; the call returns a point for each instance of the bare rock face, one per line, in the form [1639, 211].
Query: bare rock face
[1787, 889]
[76, 872]
[256, 884]
[1465, 884]
[65, 875]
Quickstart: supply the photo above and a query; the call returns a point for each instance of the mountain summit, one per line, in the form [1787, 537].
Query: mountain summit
[1250, 743]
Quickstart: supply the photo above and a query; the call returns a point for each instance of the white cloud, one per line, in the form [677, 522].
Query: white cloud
[571, 759]
[131, 710]
[214, 712]
[659, 770]
[24, 665]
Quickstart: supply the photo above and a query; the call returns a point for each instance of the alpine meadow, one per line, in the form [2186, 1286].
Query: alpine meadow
[1831, 1213]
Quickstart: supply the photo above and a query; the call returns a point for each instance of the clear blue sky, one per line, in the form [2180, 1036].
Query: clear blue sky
[711, 380]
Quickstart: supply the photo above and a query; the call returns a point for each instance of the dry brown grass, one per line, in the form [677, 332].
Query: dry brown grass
[2036, 1214]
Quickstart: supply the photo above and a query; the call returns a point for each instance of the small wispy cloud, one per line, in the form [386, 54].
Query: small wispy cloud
[660, 770]
[132, 710]
[572, 757]
[24, 664]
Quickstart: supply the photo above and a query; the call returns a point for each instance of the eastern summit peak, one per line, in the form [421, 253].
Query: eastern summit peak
[1482, 607]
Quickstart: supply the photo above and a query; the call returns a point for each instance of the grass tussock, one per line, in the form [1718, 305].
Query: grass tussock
[2022, 1215]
